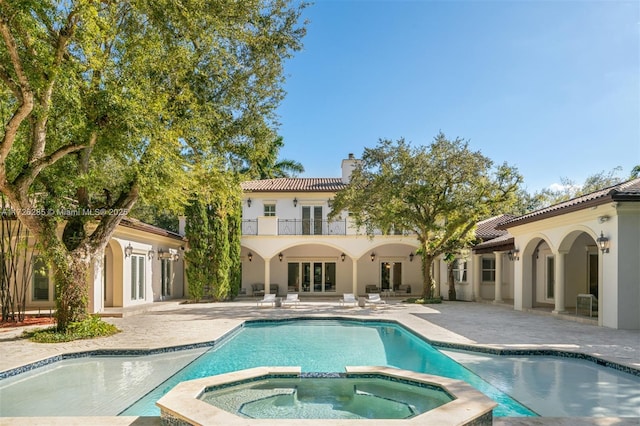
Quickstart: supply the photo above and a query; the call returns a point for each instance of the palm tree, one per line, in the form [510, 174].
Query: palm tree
[264, 164]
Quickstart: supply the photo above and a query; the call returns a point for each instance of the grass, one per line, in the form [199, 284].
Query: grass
[90, 328]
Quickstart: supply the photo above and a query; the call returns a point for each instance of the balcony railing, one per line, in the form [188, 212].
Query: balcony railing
[311, 227]
[250, 227]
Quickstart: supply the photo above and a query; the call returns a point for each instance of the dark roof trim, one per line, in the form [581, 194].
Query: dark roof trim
[145, 227]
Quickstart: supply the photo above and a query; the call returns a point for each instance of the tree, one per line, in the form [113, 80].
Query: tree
[262, 161]
[439, 192]
[104, 103]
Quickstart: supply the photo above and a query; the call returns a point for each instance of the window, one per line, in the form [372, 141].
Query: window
[269, 209]
[137, 277]
[40, 279]
[488, 269]
[550, 280]
[460, 271]
[165, 276]
[317, 277]
[312, 220]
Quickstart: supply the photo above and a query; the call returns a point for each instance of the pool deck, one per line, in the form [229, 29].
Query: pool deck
[497, 326]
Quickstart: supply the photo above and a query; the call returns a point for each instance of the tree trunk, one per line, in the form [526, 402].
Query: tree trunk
[451, 281]
[72, 289]
[427, 279]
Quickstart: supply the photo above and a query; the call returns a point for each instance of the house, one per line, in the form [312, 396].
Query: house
[582, 253]
[288, 240]
[141, 264]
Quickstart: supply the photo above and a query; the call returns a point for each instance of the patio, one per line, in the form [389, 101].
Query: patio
[170, 324]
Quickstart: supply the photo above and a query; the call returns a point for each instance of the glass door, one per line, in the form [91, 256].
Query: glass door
[311, 220]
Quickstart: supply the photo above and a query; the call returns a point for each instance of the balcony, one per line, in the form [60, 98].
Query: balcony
[275, 226]
[311, 227]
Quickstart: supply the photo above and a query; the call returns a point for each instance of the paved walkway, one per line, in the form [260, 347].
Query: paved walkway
[457, 322]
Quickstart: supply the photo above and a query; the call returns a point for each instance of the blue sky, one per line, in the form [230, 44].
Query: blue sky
[551, 87]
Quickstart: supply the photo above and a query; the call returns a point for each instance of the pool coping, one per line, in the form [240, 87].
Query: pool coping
[181, 405]
[480, 348]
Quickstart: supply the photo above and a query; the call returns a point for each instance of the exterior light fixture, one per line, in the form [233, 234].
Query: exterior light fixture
[280, 256]
[250, 256]
[151, 254]
[175, 257]
[295, 202]
[343, 256]
[248, 202]
[603, 243]
[128, 251]
[373, 256]
[411, 255]
[514, 254]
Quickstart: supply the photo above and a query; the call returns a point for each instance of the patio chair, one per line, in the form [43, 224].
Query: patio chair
[374, 299]
[348, 298]
[268, 298]
[291, 298]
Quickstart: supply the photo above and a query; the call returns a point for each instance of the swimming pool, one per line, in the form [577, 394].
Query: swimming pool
[314, 345]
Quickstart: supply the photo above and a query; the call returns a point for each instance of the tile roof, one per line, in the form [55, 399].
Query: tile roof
[293, 185]
[487, 229]
[130, 222]
[625, 191]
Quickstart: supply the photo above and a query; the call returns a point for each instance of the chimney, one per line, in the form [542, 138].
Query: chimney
[348, 165]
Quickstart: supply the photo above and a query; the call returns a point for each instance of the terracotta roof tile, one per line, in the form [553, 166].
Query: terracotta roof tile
[625, 191]
[486, 229]
[293, 185]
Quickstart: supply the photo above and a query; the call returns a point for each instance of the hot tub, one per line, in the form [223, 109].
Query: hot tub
[371, 394]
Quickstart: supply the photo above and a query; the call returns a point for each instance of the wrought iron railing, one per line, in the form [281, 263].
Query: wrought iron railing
[250, 227]
[311, 227]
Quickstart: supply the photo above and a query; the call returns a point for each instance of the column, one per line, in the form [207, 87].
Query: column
[354, 276]
[267, 275]
[498, 284]
[476, 276]
[559, 282]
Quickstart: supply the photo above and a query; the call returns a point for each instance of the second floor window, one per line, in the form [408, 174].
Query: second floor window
[269, 209]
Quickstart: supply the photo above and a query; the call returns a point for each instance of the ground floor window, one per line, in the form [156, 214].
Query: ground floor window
[550, 279]
[40, 279]
[311, 277]
[488, 269]
[460, 271]
[165, 276]
[137, 277]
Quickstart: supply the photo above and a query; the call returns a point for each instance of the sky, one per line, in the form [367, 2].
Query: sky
[550, 87]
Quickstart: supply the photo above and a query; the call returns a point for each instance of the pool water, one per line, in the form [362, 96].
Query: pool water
[327, 346]
[132, 385]
[327, 398]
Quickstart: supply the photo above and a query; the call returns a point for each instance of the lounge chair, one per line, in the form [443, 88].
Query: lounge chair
[291, 298]
[268, 298]
[374, 299]
[348, 298]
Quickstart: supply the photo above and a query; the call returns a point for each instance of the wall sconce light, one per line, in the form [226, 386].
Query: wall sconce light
[151, 254]
[411, 255]
[295, 202]
[250, 256]
[343, 256]
[603, 243]
[175, 257]
[514, 254]
[373, 256]
[164, 254]
[248, 202]
[330, 202]
[280, 256]
[128, 251]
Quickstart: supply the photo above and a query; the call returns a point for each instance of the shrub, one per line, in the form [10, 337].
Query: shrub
[89, 328]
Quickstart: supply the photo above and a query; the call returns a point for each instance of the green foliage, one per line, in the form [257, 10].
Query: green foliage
[439, 192]
[103, 103]
[89, 328]
[262, 160]
[423, 301]
[197, 232]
